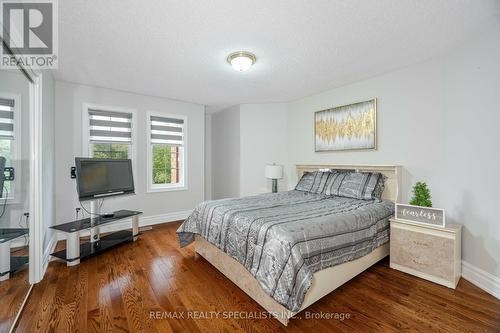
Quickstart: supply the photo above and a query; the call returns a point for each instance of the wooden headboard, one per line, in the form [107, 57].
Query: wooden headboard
[393, 173]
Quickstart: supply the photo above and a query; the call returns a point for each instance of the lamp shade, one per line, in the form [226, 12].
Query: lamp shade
[274, 171]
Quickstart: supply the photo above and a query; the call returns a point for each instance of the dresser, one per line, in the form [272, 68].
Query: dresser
[429, 252]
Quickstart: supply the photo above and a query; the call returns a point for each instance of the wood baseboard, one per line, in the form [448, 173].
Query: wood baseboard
[482, 279]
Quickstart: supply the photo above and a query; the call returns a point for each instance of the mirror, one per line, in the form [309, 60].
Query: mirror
[14, 193]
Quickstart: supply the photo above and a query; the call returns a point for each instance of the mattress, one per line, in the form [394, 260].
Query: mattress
[283, 238]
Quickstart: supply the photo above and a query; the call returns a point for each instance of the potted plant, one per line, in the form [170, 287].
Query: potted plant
[421, 195]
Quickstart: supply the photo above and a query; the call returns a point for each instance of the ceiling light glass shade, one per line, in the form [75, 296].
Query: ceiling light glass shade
[241, 61]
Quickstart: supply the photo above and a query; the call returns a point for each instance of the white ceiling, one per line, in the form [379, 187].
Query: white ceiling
[178, 49]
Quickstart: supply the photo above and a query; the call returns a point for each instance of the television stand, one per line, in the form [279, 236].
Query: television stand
[76, 251]
[8, 262]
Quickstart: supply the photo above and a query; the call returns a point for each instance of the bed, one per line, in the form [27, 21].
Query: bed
[287, 250]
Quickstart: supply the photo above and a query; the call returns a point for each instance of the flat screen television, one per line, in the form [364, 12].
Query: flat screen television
[98, 177]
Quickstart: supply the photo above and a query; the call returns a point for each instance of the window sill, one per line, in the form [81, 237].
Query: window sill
[10, 201]
[167, 189]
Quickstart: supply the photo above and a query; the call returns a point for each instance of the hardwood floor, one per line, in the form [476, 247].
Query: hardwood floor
[123, 289]
[12, 294]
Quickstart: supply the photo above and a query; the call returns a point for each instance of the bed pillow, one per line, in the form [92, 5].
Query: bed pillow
[334, 182]
[359, 185]
[362, 185]
[313, 182]
[379, 188]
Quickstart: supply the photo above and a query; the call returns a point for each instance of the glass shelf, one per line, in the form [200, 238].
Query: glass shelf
[84, 224]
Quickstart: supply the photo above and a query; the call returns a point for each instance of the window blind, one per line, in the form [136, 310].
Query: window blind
[6, 118]
[167, 130]
[110, 126]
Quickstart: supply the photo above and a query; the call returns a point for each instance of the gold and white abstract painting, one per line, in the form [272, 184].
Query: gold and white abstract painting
[346, 127]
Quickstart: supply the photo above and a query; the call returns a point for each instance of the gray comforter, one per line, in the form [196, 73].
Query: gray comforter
[283, 238]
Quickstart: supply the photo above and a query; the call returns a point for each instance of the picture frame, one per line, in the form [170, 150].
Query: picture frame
[347, 127]
[431, 216]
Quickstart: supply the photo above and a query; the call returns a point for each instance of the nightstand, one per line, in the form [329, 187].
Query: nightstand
[429, 252]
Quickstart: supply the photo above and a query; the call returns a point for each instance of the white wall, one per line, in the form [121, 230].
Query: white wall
[471, 145]
[68, 132]
[263, 140]
[226, 153]
[243, 139]
[208, 156]
[409, 125]
[283, 132]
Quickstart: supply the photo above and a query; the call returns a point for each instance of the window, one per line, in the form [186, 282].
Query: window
[110, 150]
[110, 133]
[8, 116]
[166, 152]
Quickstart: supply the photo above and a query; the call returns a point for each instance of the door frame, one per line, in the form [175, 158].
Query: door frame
[36, 235]
[37, 260]
[36, 232]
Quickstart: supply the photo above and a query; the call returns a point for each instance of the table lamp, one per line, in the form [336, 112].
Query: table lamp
[274, 172]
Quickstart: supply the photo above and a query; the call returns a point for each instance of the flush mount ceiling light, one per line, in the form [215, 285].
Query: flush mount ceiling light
[241, 60]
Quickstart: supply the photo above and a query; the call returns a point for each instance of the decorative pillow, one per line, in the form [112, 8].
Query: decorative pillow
[361, 185]
[334, 182]
[313, 182]
[379, 188]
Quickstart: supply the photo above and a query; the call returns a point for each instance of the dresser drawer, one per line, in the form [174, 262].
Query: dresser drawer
[426, 252]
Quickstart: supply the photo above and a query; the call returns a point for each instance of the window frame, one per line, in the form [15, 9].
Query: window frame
[87, 145]
[15, 148]
[183, 165]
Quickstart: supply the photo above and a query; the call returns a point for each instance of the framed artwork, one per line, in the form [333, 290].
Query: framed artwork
[347, 127]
